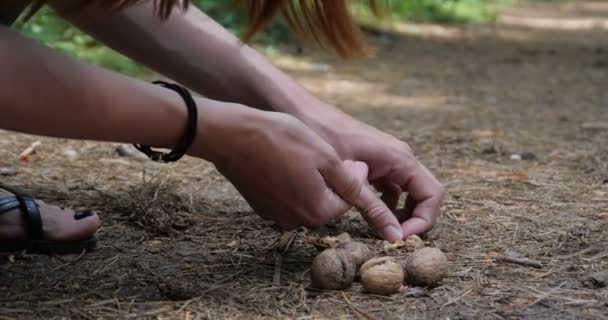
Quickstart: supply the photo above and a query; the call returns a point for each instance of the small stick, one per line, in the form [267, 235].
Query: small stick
[70, 262]
[187, 304]
[522, 261]
[281, 249]
[24, 156]
[278, 265]
[456, 299]
[357, 310]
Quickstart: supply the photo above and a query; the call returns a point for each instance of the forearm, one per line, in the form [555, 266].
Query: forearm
[46, 93]
[193, 49]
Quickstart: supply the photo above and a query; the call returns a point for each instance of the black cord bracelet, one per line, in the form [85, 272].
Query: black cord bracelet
[187, 139]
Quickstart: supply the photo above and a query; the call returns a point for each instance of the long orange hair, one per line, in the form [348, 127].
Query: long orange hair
[328, 22]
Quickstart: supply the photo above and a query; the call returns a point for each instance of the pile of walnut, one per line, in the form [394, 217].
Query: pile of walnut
[343, 259]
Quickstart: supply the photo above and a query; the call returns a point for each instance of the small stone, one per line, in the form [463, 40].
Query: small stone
[70, 153]
[8, 171]
[523, 156]
[153, 246]
[596, 280]
[515, 157]
[528, 156]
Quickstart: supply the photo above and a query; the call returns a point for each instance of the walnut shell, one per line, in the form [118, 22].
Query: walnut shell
[332, 270]
[358, 252]
[382, 276]
[332, 242]
[413, 243]
[425, 267]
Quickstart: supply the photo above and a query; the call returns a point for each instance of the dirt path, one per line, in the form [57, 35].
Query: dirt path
[183, 245]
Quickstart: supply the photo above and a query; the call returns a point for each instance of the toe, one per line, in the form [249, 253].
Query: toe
[67, 225]
[83, 214]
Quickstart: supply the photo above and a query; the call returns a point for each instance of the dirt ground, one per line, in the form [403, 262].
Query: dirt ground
[178, 242]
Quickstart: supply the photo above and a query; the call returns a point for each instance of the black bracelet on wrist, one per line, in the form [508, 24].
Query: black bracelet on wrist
[180, 149]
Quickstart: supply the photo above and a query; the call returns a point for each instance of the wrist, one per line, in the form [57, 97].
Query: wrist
[222, 127]
[331, 124]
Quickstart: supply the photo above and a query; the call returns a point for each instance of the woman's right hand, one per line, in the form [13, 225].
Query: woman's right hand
[285, 171]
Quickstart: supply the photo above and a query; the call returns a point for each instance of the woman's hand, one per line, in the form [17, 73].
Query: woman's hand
[286, 172]
[393, 167]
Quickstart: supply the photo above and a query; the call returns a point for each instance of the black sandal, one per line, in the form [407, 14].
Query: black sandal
[33, 227]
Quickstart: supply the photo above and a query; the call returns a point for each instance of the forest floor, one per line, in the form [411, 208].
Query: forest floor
[510, 116]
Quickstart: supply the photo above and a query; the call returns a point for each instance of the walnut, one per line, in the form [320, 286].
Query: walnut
[382, 276]
[332, 270]
[425, 267]
[358, 252]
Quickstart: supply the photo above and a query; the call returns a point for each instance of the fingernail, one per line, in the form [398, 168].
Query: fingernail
[83, 214]
[392, 233]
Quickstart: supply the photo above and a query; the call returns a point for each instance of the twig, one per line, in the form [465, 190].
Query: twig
[278, 265]
[543, 295]
[456, 299]
[357, 311]
[24, 156]
[522, 261]
[281, 249]
[575, 254]
[597, 256]
[187, 303]
[70, 262]
[81, 313]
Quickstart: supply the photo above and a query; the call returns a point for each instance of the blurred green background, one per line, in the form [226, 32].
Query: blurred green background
[55, 32]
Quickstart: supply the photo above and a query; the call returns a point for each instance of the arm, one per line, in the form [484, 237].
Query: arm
[193, 49]
[297, 180]
[45, 93]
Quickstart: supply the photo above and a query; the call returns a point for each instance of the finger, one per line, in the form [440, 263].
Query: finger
[345, 179]
[343, 183]
[359, 169]
[426, 193]
[422, 219]
[378, 215]
[390, 193]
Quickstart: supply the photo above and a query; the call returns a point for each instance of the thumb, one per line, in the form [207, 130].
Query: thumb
[350, 182]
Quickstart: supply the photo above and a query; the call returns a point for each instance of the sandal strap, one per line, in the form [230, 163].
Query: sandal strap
[7, 204]
[29, 210]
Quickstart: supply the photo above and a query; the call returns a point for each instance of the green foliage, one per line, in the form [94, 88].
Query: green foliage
[462, 11]
[47, 28]
[55, 32]
[233, 19]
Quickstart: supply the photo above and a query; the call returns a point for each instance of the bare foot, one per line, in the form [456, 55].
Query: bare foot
[57, 224]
